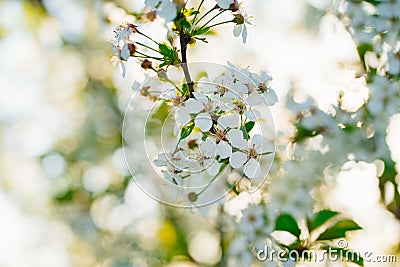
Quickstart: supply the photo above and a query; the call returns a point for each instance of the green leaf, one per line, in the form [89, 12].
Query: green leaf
[320, 218]
[200, 31]
[285, 222]
[249, 126]
[362, 49]
[169, 55]
[345, 254]
[186, 131]
[201, 75]
[339, 230]
[164, 49]
[373, 2]
[185, 88]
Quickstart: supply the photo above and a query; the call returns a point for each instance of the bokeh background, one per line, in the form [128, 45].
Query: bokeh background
[66, 197]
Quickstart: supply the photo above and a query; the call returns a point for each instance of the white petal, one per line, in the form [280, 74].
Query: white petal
[224, 3]
[239, 89]
[213, 169]
[125, 53]
[203, 121]
[259, 143]
[270, 97]
[122, 69]
[237, 30]
[182, 117]
[151, 3]
[255, 99]
[208, 147]
[173, 178]
[205, 86]
[237, 159]
[235, 137]
[224, 150]
[193, 106]
[201, 96]
[230, 120]
[162, 160]
[252, 168]
[226, 103]
[252, 114]
[244, 34]
[167, 10]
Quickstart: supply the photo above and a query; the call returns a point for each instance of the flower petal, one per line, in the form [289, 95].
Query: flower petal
[224, 4]
[235, 137]
[259, 143]
[125, 53]
[208, 147]
[122, 69]
[244, 34]
[167, 10]
[252, 168]
[237, 159]
[255, 99]
[193, 106]
[270, 97]
[224, 150]
[237, 30]
[213, 169]
[203, 121]
[151, 3]
[229, 120]
[182, 117]
[252, 114]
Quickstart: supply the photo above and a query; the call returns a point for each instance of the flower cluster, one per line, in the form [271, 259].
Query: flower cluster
[374, 26]
[215, 127]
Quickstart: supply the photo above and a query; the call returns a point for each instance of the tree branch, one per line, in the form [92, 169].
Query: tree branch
[184, 43]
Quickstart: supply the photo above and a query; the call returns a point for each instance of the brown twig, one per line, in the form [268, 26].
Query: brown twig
[184, 42]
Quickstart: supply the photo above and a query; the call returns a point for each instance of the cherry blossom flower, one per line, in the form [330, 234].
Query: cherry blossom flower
[241, 18]
[263, 93]
[247, 156]
[208, 150]
[202, 107]
[122, 45]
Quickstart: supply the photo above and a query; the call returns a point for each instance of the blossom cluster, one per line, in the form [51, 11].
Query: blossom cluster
[215, 127]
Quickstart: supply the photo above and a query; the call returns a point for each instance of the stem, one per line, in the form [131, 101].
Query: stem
[148, 47]
[168, 80]
[202, 17]
[148, 37]
[220, 23]
[185, 68]
[212, 180]
[198, 9]
[219, 13]
[147, 56]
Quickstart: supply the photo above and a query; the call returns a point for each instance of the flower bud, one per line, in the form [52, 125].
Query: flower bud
[146, 64]
[192, 196]
[238, 19]
[132, 48]
[133, 28]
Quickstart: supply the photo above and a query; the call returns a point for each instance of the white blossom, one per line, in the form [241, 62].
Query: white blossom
[248, 157]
